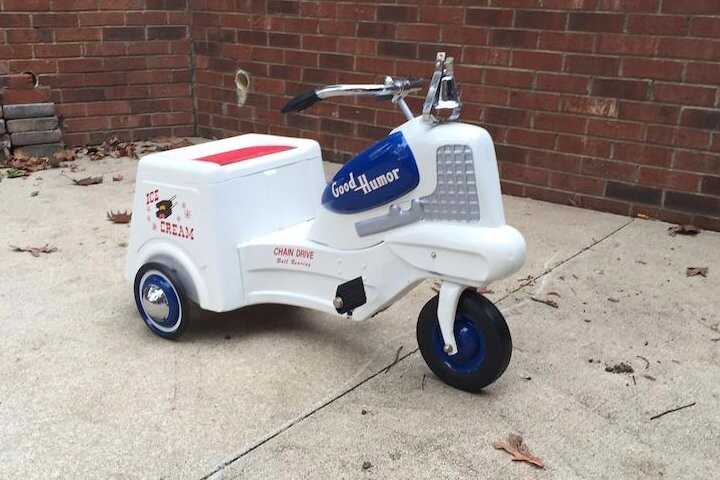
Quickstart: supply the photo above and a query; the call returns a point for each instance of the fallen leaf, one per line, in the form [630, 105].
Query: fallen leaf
[515, 447]
[621, 367]
[685, 229]
[642, 216]
[366, 465]
[66, 155]
[484, 291]
[119, 217]
[117, 178]
[695, 271]
[613, 299]
[88, 181]
[34, 251]
[34, 193]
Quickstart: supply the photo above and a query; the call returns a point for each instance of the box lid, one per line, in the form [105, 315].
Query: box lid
[229, 158]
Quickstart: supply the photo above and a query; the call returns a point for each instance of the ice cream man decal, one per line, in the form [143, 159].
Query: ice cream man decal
[164, 212]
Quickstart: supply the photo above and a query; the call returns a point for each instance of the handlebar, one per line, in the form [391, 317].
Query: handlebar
[390, 89]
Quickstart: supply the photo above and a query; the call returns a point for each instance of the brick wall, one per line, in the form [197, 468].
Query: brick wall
[115, 67]
[605, 104]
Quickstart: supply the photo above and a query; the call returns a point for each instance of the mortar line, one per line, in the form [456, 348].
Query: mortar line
[299, 419]
[291, 424]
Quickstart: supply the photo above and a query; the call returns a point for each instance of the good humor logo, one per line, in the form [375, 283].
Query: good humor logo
[362, 184]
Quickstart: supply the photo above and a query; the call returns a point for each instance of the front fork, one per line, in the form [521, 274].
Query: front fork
[447, 309]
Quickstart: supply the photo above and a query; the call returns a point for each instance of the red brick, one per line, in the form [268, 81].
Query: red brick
[395, 13]
[633, 193]
[554, 161]
[700, 7]
[514, 38]
[450, 34]
[649, 112]
[577, 183]
[359, 46]
[657, 25]
[531, 138]
[653, 69]
[508, 78]
[567, 41]
[684, 94]
[687, 202]
[507, 116]
[705, 26]
[485, 95]
[711, 185]
[626, 44]
[616, 129]
[596, 167]
[535, 100]
[442, 14]
[689, 48]
[491, 17]
[424, 33]
[485, 56]
[596, 22]
[703, 73]
[55, 20]
[642, 153]
[11, 96]
[700, 162]
[678, 137]
[582, 145]
[560, 123]
[594, 65]
[562, 83]
[534, 60]
[539, 19]
[597, 107]
[661, 177]
[509, 153]
[524, 174]
[634, 6]
[620, 88]
[701, 118]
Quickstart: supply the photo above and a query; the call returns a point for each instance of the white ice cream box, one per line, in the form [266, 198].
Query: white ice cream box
[194, 205]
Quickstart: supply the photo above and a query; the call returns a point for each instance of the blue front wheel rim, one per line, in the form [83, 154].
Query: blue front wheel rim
[471, 343]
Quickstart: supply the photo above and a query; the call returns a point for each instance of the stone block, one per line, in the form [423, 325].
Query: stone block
[1, 112]
[2, 126]
[29, 110]
[35, 138]
[32, 124]
[43, 150]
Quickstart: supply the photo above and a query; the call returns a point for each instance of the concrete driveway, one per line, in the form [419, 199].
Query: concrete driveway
[278, 392]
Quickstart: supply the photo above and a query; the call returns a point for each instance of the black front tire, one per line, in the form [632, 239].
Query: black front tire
[483, 338]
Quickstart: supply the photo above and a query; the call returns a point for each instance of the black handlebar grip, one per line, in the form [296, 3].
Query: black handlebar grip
[301, 101]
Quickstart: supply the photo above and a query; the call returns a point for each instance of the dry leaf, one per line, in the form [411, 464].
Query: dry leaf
[119, 217]
[117, 178]
[88, 181]
[621, 367]
[642, 216]
[685, 229]
[35, 251]
[695, 271]
[65, 155]
[484, 291]
[514, 446]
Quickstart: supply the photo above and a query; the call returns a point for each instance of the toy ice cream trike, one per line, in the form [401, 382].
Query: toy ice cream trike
[250, 219]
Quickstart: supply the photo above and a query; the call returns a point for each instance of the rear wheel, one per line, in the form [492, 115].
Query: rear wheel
[483, 340]
[161, 300]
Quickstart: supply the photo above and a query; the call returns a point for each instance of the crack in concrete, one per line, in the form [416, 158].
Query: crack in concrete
[301, 418]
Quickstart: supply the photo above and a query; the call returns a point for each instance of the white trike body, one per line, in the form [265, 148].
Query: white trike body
[253, 230]
[250, 219]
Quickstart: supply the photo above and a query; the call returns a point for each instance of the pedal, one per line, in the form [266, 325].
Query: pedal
[349, 296]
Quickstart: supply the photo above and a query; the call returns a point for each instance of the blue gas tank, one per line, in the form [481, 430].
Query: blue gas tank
[378, 175]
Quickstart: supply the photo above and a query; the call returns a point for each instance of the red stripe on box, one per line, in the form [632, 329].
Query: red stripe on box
[247, 153]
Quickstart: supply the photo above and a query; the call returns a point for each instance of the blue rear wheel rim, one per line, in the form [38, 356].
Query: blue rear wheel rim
[471, 343]
[170, 322]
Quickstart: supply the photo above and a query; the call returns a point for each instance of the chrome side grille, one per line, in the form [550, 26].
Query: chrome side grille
[455, 197]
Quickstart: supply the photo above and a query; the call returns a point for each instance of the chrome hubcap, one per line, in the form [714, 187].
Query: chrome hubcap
[155, 303]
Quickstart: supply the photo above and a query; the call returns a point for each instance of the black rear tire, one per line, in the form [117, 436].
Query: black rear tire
[483, 339]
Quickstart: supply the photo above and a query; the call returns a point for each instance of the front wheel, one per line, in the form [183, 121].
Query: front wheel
[483, 341]
[161, 300]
